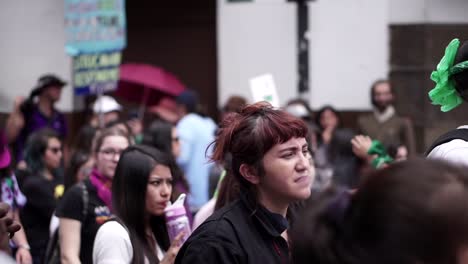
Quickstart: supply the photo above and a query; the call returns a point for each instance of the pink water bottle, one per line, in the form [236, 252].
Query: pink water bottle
[177, 220]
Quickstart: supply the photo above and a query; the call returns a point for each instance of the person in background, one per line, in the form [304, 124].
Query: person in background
[14, 198]
[79, 168]
[107, 108]
[196, 132]
[163, 136]
[272, 163]
[31, 115]
[451, 78]
[328, 120]
[135, 122]
[384, 124]
[141, 190]
[345, 165]
[78, 227]
[43, 187]
[233, 104]
[410, 212]
[300, 108]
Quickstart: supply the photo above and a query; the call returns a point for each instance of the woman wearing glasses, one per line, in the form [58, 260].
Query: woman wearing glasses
[42, 187]
[87, 205]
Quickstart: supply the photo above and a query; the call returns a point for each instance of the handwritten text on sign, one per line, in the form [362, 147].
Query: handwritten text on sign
[94, 25]
[96, 70]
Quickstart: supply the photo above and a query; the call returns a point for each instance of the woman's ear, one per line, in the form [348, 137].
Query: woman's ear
[249, 173]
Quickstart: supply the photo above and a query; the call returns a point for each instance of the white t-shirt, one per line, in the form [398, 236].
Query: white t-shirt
[112, 245]
[455, 151]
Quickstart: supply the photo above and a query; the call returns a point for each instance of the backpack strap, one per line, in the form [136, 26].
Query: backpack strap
[85, 197]
[461, 133]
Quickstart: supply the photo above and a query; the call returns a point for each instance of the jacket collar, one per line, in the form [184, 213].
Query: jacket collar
[274, 224]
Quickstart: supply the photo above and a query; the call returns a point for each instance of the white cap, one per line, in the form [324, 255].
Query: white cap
[297, 110]
[106, 104]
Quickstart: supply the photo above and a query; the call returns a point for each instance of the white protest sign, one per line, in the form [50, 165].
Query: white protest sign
[263, 89]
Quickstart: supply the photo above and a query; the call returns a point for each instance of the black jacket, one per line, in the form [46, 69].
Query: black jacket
[238, 234]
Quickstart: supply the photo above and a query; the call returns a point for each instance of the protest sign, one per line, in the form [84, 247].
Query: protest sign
[96, 72]
[93, 26]
[263, 89]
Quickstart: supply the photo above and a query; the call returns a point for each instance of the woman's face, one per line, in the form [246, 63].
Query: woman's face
[175, 143]
[328, 119]
[159, 190]
[288, 172]
[108, 154]
[53, 154]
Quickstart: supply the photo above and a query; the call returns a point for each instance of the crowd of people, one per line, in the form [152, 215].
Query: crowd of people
[263, 185]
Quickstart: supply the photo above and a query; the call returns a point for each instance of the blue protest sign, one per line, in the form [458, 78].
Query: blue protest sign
[94, 26]
[96, 72]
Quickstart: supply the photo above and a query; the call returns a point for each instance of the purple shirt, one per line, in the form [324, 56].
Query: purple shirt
[36, 120]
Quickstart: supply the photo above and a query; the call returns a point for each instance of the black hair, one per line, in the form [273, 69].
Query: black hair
[159, 136]
[410, 212]
[461, 78]
[78, 159]
[322, 110]
[129, 199]
[36, 145]
[344, 162]
[83, 141]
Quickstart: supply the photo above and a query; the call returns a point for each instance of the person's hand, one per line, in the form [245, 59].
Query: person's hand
[23, 256]
[7, 227]
[402, 153]
[171, 253]
[361, 145]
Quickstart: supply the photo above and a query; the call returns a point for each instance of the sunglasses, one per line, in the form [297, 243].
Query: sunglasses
[55, 150]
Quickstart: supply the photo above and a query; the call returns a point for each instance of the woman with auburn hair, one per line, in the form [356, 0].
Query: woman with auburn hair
[272, 164]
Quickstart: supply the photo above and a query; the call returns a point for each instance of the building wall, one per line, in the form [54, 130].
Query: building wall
[349, 44]
[32, 43]
[256, 38]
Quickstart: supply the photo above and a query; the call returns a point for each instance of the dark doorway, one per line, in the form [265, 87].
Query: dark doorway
[179, 36]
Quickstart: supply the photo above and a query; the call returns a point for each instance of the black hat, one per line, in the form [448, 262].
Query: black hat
[46, 81]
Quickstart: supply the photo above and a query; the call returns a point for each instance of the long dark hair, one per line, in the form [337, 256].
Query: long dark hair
[344, 162]
[129, 199]
[411, 212]
[159, 135]
[36, 147]
[77, 160]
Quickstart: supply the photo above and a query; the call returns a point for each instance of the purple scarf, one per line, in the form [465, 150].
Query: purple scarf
[103, 186]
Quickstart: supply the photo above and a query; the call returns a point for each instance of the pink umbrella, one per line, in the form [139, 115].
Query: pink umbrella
[147, 84]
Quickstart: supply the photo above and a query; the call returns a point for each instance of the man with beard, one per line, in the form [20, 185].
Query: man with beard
[384, 124]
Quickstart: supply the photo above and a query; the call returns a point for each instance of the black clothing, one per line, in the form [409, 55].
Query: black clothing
[238, 233]
[461, 133]
[71, 206]
[41, 202]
